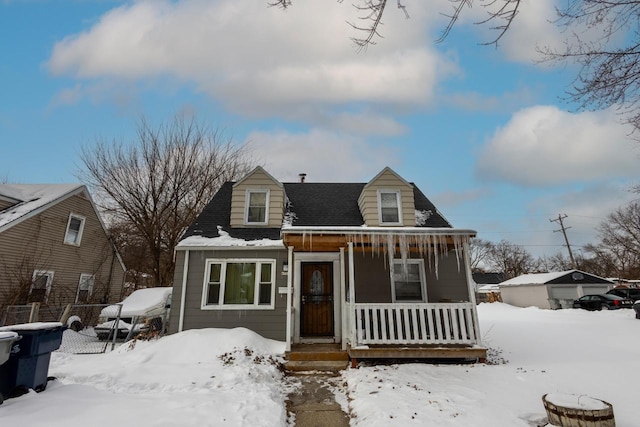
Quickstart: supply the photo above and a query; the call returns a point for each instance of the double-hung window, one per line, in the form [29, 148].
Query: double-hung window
[389, 207]
[85, 287]
[408, 281]
[239, 284]
[75, 226]
[257, 207]
[40, 285]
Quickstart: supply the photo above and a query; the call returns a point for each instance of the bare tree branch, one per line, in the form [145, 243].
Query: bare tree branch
[161, 183]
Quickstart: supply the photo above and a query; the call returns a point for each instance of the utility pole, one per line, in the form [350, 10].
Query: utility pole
[564, 232]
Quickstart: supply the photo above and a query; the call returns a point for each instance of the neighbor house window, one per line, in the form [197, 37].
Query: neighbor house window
[257, 203]
[85, 287]
[389, 207]
[40, 285]
[75, 226]
[239, 284]
[407, 281]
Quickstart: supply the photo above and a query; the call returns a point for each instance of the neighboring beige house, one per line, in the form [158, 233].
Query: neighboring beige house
[552, 290]
[372, 267]
[54, 248]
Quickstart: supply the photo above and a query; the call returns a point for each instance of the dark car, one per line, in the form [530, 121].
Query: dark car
[602, 302]
[630, 293]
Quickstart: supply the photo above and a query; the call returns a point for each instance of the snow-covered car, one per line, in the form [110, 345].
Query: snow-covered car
[142, 311]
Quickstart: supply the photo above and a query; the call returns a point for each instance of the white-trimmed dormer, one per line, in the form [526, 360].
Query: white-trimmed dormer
[387, 200]
[257, 201]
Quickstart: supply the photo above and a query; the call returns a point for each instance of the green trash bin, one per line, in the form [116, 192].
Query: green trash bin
[28, 364]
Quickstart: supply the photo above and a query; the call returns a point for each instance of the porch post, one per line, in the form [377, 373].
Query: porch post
[289, 297]
[352, 298]
[343, 300]
[472, 290]
[183, 292]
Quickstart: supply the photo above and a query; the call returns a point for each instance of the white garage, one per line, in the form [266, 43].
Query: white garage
[552, 290]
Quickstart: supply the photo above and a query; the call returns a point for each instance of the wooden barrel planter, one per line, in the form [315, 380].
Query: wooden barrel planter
[572, 410]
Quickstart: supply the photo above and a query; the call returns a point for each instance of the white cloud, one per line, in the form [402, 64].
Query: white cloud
[324, 156]
[543, 146]
[257, 59]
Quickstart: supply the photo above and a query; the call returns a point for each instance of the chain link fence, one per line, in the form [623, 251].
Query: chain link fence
[91, 328]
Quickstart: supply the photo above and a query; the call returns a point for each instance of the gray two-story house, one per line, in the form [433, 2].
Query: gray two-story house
[372, 266]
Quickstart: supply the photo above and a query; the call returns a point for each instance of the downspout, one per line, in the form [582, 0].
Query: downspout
[352, 297]
[472, 291]
[343, 300]
[183, 290]
[289, 298]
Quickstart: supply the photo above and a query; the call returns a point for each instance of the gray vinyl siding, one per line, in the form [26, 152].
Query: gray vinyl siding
[37, 244]
[373, 279]
[270, 323]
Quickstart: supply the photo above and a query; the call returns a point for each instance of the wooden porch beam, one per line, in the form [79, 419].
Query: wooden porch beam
[333, 243]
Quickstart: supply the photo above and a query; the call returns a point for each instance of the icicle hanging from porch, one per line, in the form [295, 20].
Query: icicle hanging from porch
[430, 246]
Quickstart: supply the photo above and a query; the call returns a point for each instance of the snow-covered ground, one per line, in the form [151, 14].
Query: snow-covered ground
[228, 377]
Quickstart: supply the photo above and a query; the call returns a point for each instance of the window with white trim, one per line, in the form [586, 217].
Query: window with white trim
[257, 207]
[389, 207]
[408, 281]
[75, 227]
[85, 287]
[239, 284]
[40, 285]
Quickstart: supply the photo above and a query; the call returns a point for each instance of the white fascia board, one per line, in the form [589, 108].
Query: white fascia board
[440, 231]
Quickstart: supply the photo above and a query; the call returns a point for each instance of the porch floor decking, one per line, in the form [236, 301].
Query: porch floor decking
[330, 357]
[422, 351]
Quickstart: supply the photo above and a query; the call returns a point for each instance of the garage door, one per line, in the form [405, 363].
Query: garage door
[564, 292]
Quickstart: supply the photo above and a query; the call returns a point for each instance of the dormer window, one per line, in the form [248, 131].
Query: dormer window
[75, 226]
[389, 207]
[257, 207]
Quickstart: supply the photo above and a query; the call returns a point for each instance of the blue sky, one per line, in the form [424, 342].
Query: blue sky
[481, 130]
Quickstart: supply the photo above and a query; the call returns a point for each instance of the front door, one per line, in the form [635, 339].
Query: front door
[316, 314]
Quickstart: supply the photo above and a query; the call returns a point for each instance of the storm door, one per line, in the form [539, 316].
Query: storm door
[316, 304]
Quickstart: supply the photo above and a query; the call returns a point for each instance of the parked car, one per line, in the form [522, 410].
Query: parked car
[142, 311]
[602, 302]
[636, 308]
[630, 293]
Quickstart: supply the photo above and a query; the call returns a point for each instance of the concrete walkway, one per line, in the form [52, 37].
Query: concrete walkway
[313, 402]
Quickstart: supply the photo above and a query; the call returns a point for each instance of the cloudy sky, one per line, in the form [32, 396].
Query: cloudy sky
[483, 131]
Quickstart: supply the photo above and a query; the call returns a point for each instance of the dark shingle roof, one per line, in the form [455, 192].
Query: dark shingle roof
[314, 205]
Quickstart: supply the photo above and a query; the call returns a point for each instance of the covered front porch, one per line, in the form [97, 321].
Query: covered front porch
[389, 328]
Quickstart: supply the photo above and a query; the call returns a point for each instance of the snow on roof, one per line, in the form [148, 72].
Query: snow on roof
[225, 241]
[31, 198]
[533, 278]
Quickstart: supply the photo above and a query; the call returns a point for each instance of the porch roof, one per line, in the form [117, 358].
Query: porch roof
[331, 239]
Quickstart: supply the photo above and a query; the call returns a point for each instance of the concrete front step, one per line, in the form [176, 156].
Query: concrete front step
[315, 365]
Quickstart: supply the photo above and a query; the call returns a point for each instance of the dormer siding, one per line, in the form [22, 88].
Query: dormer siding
[258, 180]
[369, 200]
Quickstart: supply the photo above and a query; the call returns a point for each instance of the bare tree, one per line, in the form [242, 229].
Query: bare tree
[500, 14]
[610, 63]
[479, 254]
[160, 183]
[511, 259]
[618, 252]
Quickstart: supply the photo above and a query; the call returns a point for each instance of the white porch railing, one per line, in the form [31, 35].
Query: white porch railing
[441, 323]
